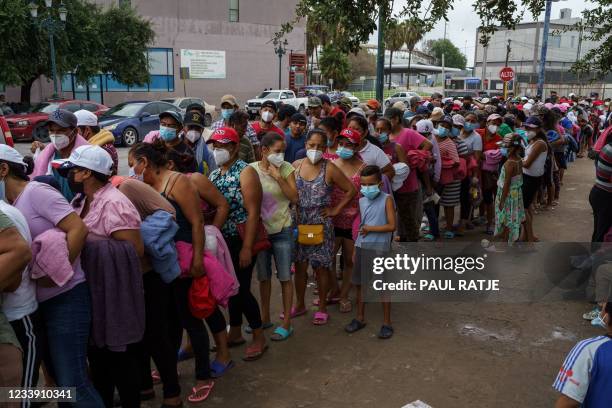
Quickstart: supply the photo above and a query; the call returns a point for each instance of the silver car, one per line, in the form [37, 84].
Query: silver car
[400, 97]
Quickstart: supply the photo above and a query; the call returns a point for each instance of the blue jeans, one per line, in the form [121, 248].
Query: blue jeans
[67, 319]
[282, 250]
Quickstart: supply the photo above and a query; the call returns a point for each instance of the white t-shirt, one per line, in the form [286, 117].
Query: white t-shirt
[473, 142]
[21, 302]
[374, 156]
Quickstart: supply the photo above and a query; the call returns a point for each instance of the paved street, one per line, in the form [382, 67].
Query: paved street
[446, 354]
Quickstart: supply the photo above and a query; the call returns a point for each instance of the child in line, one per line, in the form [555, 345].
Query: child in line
[509, 208]
[378, 222]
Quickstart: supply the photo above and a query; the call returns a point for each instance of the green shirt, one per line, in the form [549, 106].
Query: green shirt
[274, 206]
[7, 335]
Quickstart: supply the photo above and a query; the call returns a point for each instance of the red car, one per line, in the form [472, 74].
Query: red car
[28, 126]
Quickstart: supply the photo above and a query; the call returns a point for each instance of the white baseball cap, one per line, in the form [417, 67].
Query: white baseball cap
[424, 126]
[11, 155]
[90, 157]
[86, 118]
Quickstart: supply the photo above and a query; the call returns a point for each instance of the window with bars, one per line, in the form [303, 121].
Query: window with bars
[234, 11]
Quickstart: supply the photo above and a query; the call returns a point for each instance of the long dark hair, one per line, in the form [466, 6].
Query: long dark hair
[19, 170]
[156, 153]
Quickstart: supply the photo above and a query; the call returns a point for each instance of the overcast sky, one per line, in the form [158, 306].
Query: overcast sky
[463, 21]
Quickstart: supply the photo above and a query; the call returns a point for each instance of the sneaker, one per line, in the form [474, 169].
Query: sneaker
[592, 314]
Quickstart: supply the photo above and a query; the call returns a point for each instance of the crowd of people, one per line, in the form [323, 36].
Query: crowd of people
[102, 273]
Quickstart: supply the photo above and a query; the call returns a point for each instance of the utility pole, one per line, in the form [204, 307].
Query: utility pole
[542, 73]
[505, 65]
[578, 58]
[443, 71]
[484, 68]
[380, 56]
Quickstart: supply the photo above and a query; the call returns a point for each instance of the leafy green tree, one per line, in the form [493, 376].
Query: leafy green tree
[453, 57]
[334, 65]
[93, 40]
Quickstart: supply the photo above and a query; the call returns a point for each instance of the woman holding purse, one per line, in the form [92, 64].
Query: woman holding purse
[315, 179]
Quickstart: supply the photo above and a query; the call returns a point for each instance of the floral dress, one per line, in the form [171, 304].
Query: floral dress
[313, 197]
[228, 184]
[512, 214]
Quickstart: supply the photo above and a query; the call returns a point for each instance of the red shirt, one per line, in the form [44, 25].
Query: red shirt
[490, 144]
[260, 132]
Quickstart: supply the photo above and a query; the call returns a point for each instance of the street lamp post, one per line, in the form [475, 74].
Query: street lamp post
[53, 26]
[280, 49]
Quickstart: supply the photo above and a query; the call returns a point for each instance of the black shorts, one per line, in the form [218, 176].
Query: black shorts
[343, 233]
[531, 185]
[547, 178]
[561, 161]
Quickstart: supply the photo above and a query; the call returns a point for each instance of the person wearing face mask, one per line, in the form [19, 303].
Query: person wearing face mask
[239, 121]
[394, 151]
[451, 188]
[488, 178]
[351, 165]
[473, 142]
[332, 129]
[64, 137]
[267, 112]
[192, 133]
[600, 196]
[533, 170]
[229, 106]
[170, 127]
[295, 137]
[368, 151]
[315, 110]
[279, 190]
[315, 180]
[64, 299]
[585, 378]
[109, 216]
[466, 103]
[240, 185]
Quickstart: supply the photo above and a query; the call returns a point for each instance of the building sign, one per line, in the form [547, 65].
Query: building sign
[204, 64]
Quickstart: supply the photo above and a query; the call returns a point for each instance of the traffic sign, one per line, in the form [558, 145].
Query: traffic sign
[506, 74]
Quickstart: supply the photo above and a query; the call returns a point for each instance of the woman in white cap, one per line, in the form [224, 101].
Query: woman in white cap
[65, 309]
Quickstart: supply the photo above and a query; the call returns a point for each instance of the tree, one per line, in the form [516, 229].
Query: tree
[453, 57]
[413, 33]
[93, 40]
[362, 64]
[361, 16]
[394, 41]
[334, 65]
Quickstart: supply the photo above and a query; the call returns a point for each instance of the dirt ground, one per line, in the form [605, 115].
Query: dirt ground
[445, 354]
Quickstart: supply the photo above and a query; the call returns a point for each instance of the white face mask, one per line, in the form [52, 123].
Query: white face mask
[314, 155]
[267, 116]
[531, 134]
[132, 174]
[59, 140]
[276, 159]
[492, 129]
[193, 135]
[221, 156]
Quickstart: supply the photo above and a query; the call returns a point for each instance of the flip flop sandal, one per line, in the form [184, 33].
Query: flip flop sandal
[281, 334]
[155, 377]
[294, 313]
[218, 369]
[449, 235]
[345, 306]
[386, 332]
[200, 393]
[320, 318]
[254, 352]
[247, 329]
[354, 326]
[429, 238]
[330, 301]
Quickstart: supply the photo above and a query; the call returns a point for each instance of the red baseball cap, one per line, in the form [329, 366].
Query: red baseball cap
[352, 135]
[224, 135]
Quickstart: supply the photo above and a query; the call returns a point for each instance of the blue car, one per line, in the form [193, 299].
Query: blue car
[131, 121]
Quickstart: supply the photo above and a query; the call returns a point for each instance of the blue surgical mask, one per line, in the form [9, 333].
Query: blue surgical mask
[226, 113]
[167, 134]
[504, 151]
[344, 152]
[442, 131]
[455, 132]
[470, 127]
[370, 192]
[383, 137]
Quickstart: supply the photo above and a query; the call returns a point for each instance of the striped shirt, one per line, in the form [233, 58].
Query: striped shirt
[603, 169]
[586, 373]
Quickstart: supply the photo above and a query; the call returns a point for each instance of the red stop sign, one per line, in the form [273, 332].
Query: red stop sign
[506, 74]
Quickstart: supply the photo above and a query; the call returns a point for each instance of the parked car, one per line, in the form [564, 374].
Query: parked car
[285, 96]
[400, 97]
[28, 126]
[313, 90]
[131, 121]
[184, 102]
[5, 133]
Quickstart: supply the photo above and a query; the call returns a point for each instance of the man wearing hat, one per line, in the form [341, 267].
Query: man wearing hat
[170, 127]
[192, 136]
[87, 123]
[267, 112]
[64, 136]
[345, 104]
[229, 105]
[315, 107]
[331, 110]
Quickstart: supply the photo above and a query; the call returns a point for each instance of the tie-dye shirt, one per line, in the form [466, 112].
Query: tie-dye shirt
[275, 212]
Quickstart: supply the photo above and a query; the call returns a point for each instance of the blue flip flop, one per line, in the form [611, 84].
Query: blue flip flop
[281, 334]
[218, 369]
[386, 332]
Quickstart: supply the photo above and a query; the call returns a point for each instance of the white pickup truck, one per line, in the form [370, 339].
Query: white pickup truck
[285, 96]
